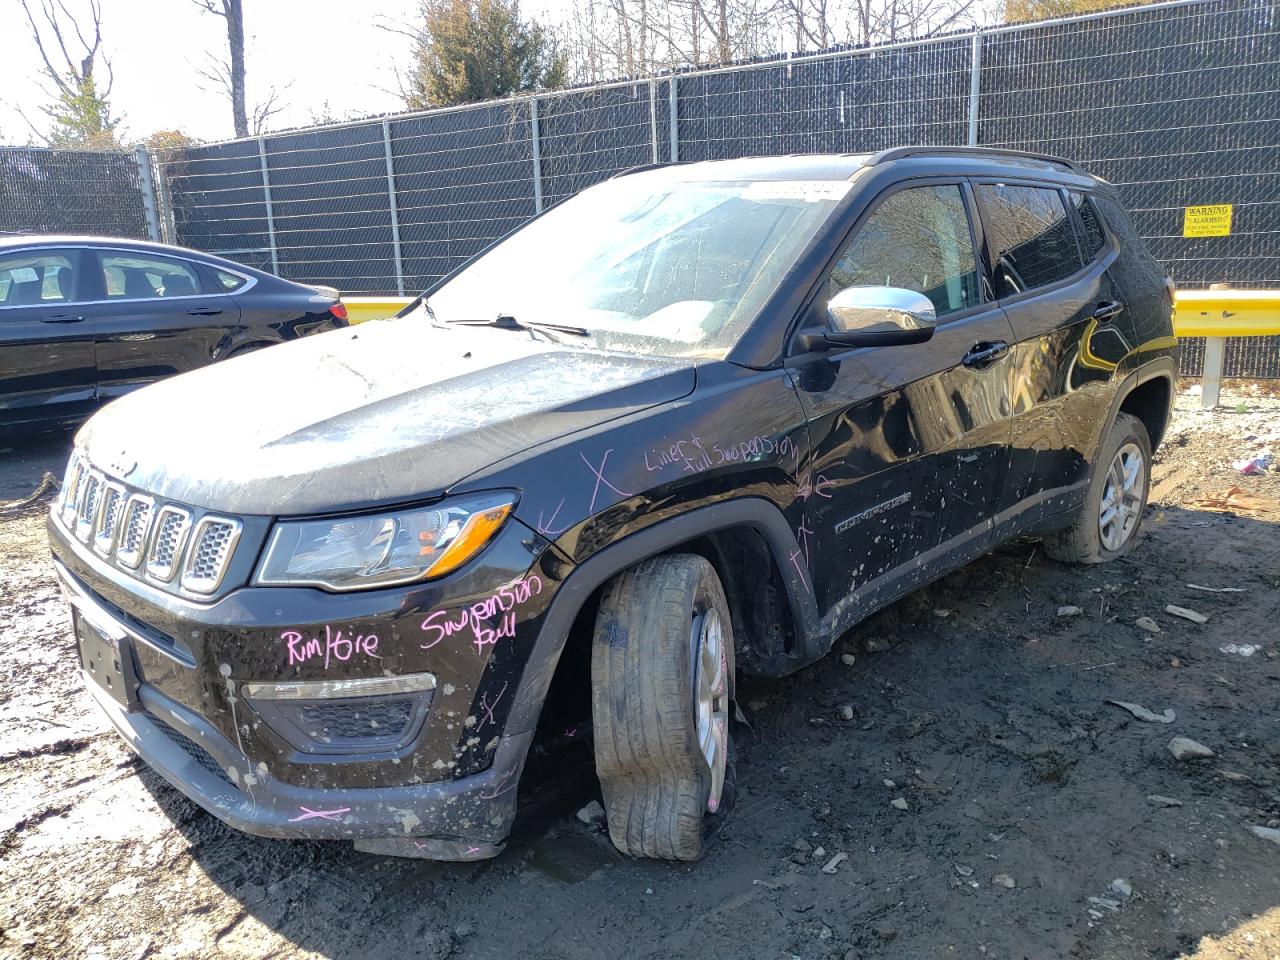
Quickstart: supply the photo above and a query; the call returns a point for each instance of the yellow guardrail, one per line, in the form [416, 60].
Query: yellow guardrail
[1216, 315]
[361, 309]
[1213, 314]
[1226, 313]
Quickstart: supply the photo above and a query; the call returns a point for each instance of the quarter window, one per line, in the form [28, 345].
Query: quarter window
[917, 239]
[133, 277]
[1091, 228]
[1032, 240]
[229, 281]
[31, 279]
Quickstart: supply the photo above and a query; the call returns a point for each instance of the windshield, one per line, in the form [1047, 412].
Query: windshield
[648, 263]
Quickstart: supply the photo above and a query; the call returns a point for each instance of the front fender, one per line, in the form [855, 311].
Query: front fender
[755, 513]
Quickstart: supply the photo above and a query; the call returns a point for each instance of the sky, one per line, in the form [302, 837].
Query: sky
[317, 51]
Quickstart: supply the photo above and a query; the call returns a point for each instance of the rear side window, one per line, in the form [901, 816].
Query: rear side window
[1091, 234]
[1032, 241]
[34, 278]
[137, 277]
[917, 239]
[227, 281]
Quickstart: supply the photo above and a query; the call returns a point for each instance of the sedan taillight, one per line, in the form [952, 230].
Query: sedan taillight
[339, 310]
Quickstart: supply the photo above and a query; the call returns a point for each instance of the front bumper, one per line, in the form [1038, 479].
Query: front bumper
[465, 819]
[446, 790]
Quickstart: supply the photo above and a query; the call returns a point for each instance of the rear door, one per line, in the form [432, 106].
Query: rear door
[1057, 304]
[909, 443]
[47, 369]
[156, 316]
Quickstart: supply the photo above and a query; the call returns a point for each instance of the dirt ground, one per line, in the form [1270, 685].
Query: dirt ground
[1029, 829]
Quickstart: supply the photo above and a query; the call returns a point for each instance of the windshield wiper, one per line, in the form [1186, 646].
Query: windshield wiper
[507, 322]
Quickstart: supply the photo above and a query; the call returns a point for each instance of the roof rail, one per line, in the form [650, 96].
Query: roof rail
[899, 153]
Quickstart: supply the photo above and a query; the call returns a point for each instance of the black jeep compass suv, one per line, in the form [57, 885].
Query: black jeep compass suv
[697, 420]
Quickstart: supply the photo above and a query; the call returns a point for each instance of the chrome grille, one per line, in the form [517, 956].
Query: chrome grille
[113, 500]
[164, 543]
[87, 508]
[211, 547]
[133, 530]
[171, 528]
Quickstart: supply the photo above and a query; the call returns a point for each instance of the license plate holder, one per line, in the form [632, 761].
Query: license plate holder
[107, 661]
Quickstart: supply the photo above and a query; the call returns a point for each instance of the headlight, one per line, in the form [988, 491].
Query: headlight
[383, 549]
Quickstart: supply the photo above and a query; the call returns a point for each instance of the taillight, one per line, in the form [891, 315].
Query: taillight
[339, 310]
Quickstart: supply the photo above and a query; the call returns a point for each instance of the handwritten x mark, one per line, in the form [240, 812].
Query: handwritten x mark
[488, 707]
[599, 475]
[309, 814]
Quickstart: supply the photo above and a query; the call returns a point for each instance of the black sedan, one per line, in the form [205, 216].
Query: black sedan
[86, 319]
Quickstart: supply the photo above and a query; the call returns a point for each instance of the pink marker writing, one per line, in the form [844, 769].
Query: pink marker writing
[335, 645]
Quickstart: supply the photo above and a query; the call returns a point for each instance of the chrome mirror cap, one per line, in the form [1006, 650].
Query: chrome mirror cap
[879, 309]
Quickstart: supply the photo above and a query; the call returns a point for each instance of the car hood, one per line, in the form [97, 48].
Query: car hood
[390, 411]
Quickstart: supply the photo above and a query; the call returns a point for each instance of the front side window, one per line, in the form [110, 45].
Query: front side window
[34, 278]
[648, 263]
[1032, 241]
[917, 239]
[136, 277]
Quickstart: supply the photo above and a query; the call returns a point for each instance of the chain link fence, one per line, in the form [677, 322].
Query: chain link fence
[76, 191]
[1177, 104]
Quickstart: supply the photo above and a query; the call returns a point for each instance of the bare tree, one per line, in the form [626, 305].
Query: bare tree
[229, 74]
[71, 51]
[615, 38]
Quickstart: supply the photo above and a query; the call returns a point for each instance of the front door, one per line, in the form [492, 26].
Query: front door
[47, 367]
[155, 319]
[909, 444]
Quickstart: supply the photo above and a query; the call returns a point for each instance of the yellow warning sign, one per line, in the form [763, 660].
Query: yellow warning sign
[1213, 220]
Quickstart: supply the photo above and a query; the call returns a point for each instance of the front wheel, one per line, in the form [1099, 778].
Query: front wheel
[662, 693]
[1108, 522]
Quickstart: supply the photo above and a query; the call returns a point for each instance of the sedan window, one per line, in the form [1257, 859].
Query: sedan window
[133, 277]
[29, 279]
[229, 281]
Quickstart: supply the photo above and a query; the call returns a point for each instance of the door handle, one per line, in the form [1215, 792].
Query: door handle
[984, 354]
[61, 318]
[1107, 310]
[204, 312]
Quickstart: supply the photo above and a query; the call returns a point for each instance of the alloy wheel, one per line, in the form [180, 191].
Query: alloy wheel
[711, 698]
[1122, 497]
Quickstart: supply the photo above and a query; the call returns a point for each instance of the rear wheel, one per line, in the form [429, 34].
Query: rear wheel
[1107, 525]
[662, 691]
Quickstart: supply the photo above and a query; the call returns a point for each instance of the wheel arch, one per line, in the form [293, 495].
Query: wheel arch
[725, 531]
[1147, 393]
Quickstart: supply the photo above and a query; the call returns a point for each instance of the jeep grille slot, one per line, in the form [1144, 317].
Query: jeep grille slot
[70, 487]
[133, 535]
[211, 549]
[87, 510]
[172, 526]
[113, 500]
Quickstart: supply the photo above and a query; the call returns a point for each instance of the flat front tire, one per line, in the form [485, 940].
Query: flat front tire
[662, 691]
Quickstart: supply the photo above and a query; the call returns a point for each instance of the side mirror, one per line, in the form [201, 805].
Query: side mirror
[873, 317]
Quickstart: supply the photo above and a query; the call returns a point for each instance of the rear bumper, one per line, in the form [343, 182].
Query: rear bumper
[471, 814]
